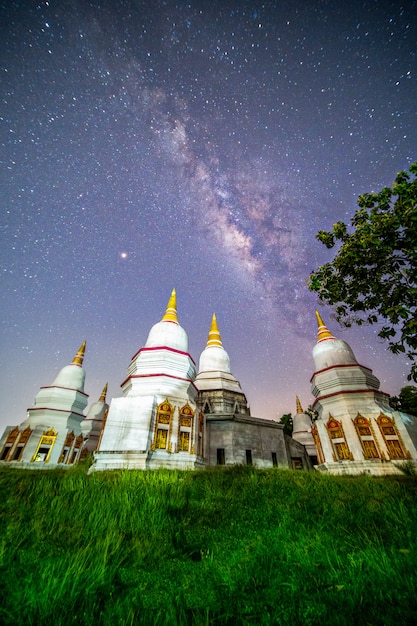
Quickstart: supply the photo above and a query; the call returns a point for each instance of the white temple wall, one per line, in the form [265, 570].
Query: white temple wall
[236, 436]
[129, 424]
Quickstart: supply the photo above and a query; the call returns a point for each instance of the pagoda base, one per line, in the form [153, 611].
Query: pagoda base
[146, 460]
[376, 467]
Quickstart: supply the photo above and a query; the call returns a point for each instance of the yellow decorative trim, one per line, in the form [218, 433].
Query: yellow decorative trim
[178, 444]
[164, 416]
[185, 420]
[317, 442]
[10, 443]
[214, 338]
[78, 443]
[341, 451]
[79, 357]
[47, 439]
[299, 408]
[65, 453]
[192, 437]
[323, 331]
[187, 410]
[169, 434]
[384, 421]
[170, 314]
[200, 435]
[400, 439]
[102, 398]
[363, 428]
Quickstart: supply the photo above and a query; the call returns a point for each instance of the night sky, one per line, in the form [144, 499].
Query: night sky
[153, 144]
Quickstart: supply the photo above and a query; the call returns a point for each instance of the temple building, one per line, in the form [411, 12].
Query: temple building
[356, 430]
[233, 435]
[173, 417]
[51, 433]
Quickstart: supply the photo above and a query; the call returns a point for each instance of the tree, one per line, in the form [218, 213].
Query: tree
[406, 400]
[312, 413]
[287, 421]
[373, 277]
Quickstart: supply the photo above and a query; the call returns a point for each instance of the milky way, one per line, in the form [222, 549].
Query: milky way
[199, 145]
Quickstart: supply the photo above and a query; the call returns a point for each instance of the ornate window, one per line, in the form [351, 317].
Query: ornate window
[45, 445]
[77, 445]
[21, 444]
[10, 442]
[66, 448]
[161, 438]
[317, 443]
[365, 433]
[186, 429]
[184, 441]
[337, 438]
[392, 438]
[163, 426]
[200, 435]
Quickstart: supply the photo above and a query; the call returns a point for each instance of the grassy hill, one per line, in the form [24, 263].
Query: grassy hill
[226, 546]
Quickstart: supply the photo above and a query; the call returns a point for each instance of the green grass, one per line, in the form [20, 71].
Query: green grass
[227, 546]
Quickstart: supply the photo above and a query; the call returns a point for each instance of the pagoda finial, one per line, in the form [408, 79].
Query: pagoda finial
[298, 405]
[171, 310]
[323, 332]
[214, 338]
[102, 398]
[79, 357]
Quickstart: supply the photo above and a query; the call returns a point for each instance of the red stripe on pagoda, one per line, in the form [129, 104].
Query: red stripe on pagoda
[332, 367]
[163, 348]
[66, 389]
[338, 393]
[187, 380]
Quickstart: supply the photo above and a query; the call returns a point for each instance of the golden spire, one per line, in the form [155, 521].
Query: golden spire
[171, 311]
[298, 405]
[323, 332]
[79, 357]
[102, 398]
[214, 338]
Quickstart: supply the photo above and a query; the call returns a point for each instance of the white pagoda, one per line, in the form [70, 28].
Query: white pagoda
[156, 423]
[356, 430]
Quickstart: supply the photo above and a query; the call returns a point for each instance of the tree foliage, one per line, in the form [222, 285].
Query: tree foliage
[373, 277]
[288, 425]
[406, 400]
[311, 412]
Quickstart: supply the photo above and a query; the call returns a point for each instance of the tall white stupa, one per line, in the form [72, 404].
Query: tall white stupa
[156, 423]
[233, 435]
[220, 392]
[356, 430]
